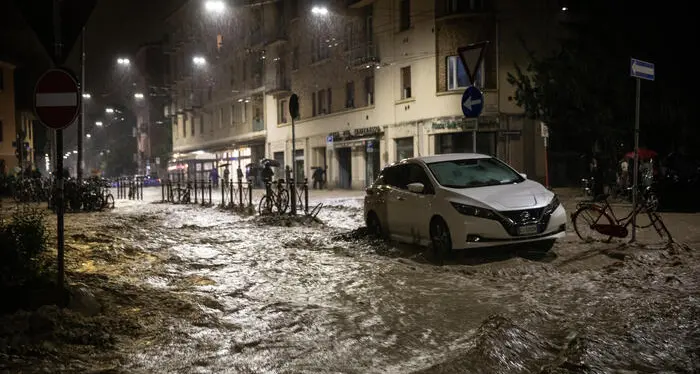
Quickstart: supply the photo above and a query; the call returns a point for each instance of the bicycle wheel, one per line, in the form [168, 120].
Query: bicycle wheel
[283, 201]
[584, 219]
[265, 205]
[109, 201]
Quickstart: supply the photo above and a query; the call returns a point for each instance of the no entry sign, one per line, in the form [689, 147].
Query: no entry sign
[57, 99]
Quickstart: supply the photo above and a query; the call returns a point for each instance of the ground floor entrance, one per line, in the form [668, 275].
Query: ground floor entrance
[344, 156]
[462, 142]
[372, 162]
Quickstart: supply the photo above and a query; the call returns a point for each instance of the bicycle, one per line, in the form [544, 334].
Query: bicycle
[278, 198]
[599, 216]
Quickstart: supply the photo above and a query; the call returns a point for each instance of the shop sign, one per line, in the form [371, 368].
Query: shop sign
[450, 125]
[354, 133]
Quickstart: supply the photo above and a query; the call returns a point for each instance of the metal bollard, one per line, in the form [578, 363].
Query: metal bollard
[250, 194]
[195, 192]
[202, 188]
[293, 197]
[306, 195]
[230, 192]
[223, 196]
[210, 191]
[240, 193]
[162, 192]
[178, 192]
[142, 189]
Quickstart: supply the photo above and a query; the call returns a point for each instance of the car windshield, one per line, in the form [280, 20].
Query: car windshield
[477, 172]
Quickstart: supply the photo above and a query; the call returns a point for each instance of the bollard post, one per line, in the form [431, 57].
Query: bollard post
[119, 188]
[195, 191]
[141, 189]
[210, 191]
[178, 191]
[250, 194]
[202, 188]
[293, 196]
[223, 196]
[240, 193]
[306, 196]
[230, 192]
[162, 192]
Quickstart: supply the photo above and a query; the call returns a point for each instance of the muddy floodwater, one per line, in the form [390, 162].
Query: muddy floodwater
[188, 289]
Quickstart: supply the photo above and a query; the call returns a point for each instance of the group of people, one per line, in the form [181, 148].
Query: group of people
[623, 173]
[214, 175]
[318, 177]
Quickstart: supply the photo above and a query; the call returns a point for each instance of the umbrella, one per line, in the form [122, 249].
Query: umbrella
[644, 154]
[273, 163]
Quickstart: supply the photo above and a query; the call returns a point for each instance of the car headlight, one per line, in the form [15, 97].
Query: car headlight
[552, 206]
[474, 211]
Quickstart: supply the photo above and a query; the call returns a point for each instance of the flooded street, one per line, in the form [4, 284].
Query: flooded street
[201, 290]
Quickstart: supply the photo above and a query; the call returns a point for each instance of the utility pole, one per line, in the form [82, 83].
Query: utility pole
[81, 119]
[58, 51]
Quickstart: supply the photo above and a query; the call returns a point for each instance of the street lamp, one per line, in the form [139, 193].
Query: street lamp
[138, 96]
[319, 10]
[123, 61]
[109, 110]
[75, 151]
[199, 61]
[98, 123]
[86, 96]
[88, 136]
[215, 6]
[564, 9]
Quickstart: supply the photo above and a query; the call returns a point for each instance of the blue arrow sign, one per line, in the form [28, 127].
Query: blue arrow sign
[642, 69]
[472, 102]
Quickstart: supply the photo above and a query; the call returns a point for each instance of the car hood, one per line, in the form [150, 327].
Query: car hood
[524, 195]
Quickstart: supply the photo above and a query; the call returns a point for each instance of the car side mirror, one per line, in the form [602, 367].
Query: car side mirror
[523, 175]
[416, 187]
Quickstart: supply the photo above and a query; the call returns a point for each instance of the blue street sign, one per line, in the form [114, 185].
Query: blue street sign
[472, 102]
[642, 69]
[329, 139]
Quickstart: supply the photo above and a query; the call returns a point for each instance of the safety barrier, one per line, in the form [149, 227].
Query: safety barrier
[129, 188]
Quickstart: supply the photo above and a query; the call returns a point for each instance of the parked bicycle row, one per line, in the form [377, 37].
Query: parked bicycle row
[92, 194]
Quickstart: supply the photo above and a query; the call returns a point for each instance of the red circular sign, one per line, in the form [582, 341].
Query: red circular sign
[57, 99]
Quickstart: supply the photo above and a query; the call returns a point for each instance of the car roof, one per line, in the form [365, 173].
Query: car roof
[447, 157]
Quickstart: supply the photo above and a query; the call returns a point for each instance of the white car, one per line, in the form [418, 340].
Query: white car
[464, 200]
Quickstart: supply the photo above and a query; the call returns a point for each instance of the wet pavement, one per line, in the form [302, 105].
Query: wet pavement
[191, 289]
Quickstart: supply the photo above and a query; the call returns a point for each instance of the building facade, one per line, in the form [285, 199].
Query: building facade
[16, 127]
[377, 81]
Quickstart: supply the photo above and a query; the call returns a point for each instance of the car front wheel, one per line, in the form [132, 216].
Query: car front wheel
[374, 226]
[440, 237]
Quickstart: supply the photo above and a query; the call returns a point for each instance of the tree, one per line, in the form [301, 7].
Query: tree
[583, 90]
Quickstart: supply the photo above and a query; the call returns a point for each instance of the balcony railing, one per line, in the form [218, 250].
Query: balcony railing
[258, 125]
[363, 55]
[279, 83]
[276, 34]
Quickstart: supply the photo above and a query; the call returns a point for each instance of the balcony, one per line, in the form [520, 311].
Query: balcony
[275, 35]
[278, 84]
[363, 56]
[258, 125]
[460, 8]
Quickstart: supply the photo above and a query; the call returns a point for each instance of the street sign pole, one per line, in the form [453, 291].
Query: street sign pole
[471, 57]
[294, 112]
[639, 70]
[474, 132]
[544, 131]
[81, 118]
[635, 195]
[59, 164]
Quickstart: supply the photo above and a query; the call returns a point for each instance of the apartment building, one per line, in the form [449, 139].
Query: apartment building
[377, 80]
[16, 127]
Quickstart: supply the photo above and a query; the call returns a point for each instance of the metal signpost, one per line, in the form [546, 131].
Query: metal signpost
[544, 131]
[57, 104]
[639, 70]
[472, 99]
[294, 113]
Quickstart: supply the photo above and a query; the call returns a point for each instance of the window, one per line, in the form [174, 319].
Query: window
[319, 49]
[176, 131]
[457, 75]
[201, 124]
[406, 82]
[295, 58]
[350, 94]
[184, 126]
[416, 174]
[467, 173]
[233, 111]
[329, 104]
[404, 15]
[314, 110]
[369, 90]
[282, 112]
[404, 148]
[221, 117]
[192, 127]
[369, 28]
[321, 96]
[244, 115]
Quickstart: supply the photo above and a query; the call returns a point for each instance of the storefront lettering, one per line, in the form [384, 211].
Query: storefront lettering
[355, 133]
[464, 124]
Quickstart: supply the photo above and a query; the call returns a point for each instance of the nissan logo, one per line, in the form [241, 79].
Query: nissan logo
[525, 216]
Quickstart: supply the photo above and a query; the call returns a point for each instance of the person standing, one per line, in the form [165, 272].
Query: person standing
[226, 175]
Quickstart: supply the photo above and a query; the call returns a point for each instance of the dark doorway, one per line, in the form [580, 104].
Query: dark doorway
[344, 168]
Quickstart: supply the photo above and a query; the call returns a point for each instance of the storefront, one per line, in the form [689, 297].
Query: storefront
[351, 144]
[457, 136]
